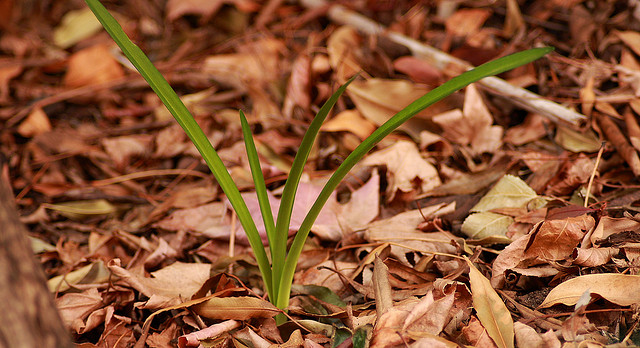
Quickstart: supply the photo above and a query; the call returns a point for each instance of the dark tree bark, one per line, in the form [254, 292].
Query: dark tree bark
[28, 316]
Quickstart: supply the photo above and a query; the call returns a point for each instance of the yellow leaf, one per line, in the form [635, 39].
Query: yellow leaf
[486, 224]
[509, 192]
[75, 26]
[621, 289]
[77, 209]
[492, 312]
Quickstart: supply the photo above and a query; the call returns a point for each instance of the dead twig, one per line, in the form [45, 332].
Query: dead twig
[519, 96]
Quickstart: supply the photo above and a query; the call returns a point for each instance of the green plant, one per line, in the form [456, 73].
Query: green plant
[278, 274]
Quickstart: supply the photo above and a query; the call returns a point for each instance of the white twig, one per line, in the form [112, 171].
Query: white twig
[519, 96]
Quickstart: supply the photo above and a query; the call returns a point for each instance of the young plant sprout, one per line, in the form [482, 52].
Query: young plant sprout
[278, 274]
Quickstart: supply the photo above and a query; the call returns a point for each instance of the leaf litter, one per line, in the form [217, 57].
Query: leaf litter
[142, 249]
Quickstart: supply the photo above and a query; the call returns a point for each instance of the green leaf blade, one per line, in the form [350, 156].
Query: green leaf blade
[182, 115]
[258, 179]
[491, 68]
[291, 186]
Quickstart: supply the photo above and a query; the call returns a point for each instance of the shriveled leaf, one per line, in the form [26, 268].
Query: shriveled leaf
[509, 192]
[621, 289]
[490, 309]
[486, 224]
[238, 308]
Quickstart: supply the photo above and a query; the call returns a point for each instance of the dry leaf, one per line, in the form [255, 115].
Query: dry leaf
[75, 307]
[486, 224]
[257, 63]
[631, 39]
[74, 27]
[379, 99]
[205, 8]
[526, 336]
[420, 71]
[341, 47]
[36, 123]
[490, 309]
[405, 166]
[556, 239]
[621, 289]
[509, 192]
[466, 22]
[173, 283]
[238, 308]
[122, 149]
[93, 273]
[349, 121]
[90, 66]
[583, 141]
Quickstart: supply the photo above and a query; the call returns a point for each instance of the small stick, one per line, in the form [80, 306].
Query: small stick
[593, 174]
[519, 96]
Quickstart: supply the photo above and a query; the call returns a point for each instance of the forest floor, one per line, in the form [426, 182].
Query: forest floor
[493, 217]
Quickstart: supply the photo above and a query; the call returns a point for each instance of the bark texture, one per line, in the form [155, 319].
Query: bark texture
[28, 316]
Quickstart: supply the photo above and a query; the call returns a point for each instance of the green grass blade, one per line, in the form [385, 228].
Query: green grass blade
[258, 180]
[171, 100]
[488, 69]
[279, 247]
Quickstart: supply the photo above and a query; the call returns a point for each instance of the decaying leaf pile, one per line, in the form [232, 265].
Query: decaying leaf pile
[467, 227]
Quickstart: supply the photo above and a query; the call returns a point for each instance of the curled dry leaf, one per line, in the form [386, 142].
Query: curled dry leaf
[621, 289]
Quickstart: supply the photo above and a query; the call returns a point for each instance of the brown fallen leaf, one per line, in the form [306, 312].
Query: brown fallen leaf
[342, 48]
[36, 123]
[91, 66]
[238, 308]
[621, 289]
[405, 166]
[75, 307]
[168, 285]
